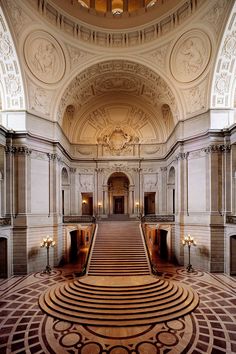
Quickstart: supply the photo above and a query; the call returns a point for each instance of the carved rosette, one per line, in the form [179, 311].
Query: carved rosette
[44, 57]
[190, 56]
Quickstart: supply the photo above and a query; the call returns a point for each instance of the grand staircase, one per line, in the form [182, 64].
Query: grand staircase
[119, 250]
[118, 291]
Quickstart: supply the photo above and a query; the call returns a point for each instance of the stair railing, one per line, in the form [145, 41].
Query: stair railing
[88, 256]
[153, 267]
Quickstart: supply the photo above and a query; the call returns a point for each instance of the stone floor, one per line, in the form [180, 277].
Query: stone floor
[210, 328]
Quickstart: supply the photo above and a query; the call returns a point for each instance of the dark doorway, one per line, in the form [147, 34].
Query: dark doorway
[163, 249]
[149, 203]
[233, 255]
[63, 202]
[118, 205]
[3, 257]
[74, 249]
[87, 204]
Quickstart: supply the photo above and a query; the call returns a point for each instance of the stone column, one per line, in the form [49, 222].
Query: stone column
[181, 206]
[163, 192]
[73, 194]
[214, 154]
[22, 183]
[54, 186]
[9, 173]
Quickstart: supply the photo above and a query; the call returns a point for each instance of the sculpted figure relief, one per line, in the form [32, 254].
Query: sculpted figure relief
[44, 57]
[190, 56]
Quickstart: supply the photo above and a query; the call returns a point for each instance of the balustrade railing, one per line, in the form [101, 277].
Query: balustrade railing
[69, 219]
[157, 218]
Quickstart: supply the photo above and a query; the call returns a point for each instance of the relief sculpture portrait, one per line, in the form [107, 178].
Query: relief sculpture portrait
[190, 56]
[44, 57]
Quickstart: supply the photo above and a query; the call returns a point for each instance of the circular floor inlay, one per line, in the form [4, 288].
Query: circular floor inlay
[70, 339]
[167, 338]
[145, 348]
[90, 348]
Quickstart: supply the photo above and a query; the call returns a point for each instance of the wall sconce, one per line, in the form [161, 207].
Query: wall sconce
[84, 201]
[47, 243]
[137, 207]
[99, 207]
[189, 241]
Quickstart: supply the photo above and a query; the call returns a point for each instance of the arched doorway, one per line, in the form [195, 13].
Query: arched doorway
[3, 257]
[118, 191]
[233, 255]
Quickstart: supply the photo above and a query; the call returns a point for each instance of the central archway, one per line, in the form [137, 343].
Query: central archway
[118, 193]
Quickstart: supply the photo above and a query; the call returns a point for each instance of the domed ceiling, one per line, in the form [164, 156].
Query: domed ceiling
[116, 13]
[117, 96]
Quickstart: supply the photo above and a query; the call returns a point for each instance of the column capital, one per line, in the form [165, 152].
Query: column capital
[23, 150]
[9, 149]
[217, 148]
[182, 156]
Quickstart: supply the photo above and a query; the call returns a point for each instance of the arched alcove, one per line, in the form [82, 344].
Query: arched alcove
[118, 193]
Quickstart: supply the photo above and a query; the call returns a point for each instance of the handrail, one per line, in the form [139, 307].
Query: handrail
[153, 267]
[86, 262]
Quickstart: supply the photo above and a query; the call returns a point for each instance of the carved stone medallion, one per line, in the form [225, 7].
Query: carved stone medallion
[190, 56]
[44, 57]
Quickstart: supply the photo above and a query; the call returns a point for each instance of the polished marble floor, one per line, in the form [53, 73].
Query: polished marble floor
[210, 328]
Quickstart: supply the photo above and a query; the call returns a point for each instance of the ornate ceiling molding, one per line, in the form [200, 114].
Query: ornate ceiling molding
[153, 28]
[13, 96]
[117, 77]
[224, 79]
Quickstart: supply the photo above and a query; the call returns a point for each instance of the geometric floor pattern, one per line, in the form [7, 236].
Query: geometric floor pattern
[210, 328]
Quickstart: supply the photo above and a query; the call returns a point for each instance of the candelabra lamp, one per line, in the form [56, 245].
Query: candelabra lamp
[189, 241]
[47, 243]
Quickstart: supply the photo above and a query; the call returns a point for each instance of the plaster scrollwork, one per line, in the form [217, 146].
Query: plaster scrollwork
[76, 56]
[190, 56]
[18, 17]
[225, 68]
[229, 47]
[39, 99]
[118, 140]
[158, 56]
[10, 73]
[44, 57]
[215, 13]
[86, 182]
[196, 97]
